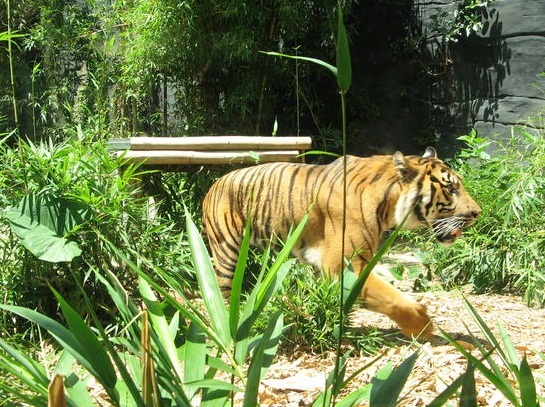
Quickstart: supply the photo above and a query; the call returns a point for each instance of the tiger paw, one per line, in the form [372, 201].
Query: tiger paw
[414, 322]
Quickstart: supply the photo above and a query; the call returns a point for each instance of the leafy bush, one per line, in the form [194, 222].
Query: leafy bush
[61, 199]
[504, 249]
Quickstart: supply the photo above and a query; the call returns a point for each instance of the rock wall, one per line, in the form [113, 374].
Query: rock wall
[493, 79]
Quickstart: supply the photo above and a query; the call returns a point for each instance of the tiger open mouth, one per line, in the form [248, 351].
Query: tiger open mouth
[447, 230]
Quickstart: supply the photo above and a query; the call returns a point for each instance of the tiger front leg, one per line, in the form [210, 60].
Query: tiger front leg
[411, 317]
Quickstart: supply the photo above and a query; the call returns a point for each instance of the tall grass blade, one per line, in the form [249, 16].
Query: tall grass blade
[150, 391]
[194, 357]
[161, 327]
[495, 376]
[238, 279]
[208, 284]
[468, 394]
[264, 288]
[262, 358]
[445, 395]
[89, 343]
[527, 384]
[385, 393]
[331, 384]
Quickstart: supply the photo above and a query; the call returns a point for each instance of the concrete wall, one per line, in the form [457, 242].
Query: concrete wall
[494, 77]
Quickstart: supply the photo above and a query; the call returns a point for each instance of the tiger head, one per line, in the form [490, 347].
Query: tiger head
[434, 197]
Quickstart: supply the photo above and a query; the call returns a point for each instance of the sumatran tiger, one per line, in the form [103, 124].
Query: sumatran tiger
[382, 191]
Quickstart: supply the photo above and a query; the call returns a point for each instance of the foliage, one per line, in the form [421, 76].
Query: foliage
[67, 192]
[171, 361]
[468, 18]
[503, 250]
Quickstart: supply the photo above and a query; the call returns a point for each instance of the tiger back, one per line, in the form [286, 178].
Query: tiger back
[382, 191]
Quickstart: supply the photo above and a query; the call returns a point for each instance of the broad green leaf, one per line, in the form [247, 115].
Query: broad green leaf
[385, 392]
[41, 241]
[344, 64]
[208, 283]
[43, 222]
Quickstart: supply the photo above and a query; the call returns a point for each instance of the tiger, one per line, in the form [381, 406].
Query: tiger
[382, 193]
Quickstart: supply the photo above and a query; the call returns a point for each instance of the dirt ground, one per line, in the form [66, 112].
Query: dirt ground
[296, 379]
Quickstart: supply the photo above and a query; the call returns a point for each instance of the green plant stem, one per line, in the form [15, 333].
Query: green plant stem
[11, 70]
[341, 274]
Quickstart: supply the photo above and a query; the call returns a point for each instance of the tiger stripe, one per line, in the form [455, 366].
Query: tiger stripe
[381, 191]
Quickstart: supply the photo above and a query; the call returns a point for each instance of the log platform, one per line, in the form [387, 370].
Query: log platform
[179, 153]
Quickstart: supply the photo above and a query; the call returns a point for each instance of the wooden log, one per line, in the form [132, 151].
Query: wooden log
[206, 143]
[170, 157]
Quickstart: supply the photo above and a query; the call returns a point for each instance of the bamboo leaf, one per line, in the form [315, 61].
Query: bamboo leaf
[330, 67]
[344, 64]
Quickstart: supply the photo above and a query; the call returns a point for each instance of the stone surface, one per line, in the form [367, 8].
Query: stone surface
[496, 79]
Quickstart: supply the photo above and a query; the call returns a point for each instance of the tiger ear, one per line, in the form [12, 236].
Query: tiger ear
[430, 153]
[404, 168]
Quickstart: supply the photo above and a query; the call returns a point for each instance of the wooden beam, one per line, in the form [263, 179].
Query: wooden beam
[206, 143]
[170, 157]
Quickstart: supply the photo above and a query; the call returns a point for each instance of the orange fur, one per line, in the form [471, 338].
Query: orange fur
[381, 191]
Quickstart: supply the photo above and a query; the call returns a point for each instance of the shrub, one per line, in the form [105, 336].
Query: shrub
[504, 249]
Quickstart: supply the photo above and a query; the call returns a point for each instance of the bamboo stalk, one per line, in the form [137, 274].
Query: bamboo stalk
[170, 157]
[220, 143]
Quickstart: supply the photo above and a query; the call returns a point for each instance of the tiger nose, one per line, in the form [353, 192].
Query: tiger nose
[476, 211]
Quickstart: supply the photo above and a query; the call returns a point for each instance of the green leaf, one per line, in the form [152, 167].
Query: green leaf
[195, 351]
[160, 326]
[527, 384]
[344, 64]
[262, 358]
[238, 279]
[264, 289]
[468, 394]
[42, 222]
[385, 392]
[89, 343]
[69, 341]
[355, 291]
[208, 283]
[330, 67]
